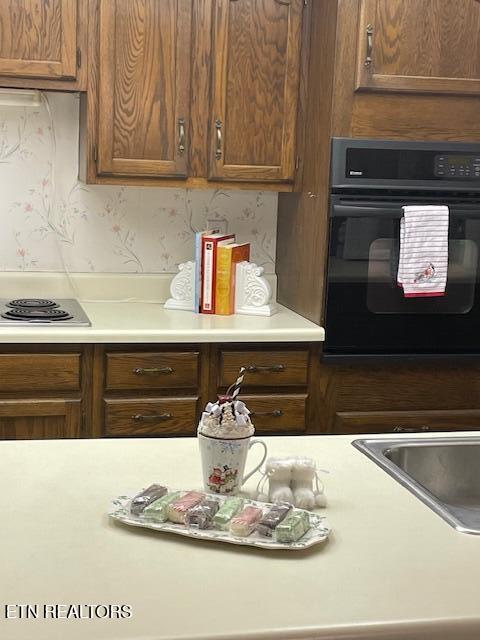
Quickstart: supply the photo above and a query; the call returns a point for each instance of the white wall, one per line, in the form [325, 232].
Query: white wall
[48, 219]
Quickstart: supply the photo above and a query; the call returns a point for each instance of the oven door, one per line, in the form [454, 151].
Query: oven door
[366, 311]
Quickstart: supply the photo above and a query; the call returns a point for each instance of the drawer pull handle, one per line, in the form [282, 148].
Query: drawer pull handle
[181, 136]
[155, 417]
[368, 57]
[410, 429]
[140, 371]
[276, 413]
[218, 147]
[274, 368]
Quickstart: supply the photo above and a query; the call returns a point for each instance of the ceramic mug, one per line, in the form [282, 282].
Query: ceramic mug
[223, 462]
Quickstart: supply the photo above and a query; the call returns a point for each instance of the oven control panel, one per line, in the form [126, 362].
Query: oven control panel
[449, 166]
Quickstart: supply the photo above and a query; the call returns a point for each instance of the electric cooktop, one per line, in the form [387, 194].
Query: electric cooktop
[43, 311]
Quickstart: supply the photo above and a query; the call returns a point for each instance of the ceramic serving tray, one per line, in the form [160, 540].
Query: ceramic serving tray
[319, 532]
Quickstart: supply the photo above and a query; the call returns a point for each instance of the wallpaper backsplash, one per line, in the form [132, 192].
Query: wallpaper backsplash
[51, 221]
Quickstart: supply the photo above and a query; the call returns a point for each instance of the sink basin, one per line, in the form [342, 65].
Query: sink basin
[444, 473]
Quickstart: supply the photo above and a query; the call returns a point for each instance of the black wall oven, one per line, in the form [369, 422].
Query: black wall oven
[366, 311]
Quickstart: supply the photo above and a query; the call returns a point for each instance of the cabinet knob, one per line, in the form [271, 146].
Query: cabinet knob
[140, 371]
[410, 429]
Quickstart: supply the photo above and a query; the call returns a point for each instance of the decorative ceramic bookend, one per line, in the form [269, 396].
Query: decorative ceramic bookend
[182, 288]
[253, 291]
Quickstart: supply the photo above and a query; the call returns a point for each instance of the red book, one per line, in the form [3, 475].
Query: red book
[209, 268]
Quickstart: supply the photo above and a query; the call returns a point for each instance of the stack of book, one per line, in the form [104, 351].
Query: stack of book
[216, 257]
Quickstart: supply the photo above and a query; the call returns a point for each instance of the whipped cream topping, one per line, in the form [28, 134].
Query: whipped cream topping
[228, 420]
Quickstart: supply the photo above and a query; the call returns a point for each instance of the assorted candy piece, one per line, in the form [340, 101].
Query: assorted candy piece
[198, 510]
[273, 518]
[293, 527]
[202, 514]
[158, 510]
[146, 497]
[243, 524]
[229, 508]
[177, 510]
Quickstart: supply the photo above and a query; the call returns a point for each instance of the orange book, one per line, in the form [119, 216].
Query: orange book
[227, 258]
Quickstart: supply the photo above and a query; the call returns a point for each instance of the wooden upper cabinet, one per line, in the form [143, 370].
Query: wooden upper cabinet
[420, 46]
[38, 39]
[256, 57]
[144, 86]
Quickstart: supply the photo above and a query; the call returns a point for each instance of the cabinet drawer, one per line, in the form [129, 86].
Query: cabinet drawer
[39, 372]
[406, 421]
[152, 370]
[151, 417]
[265, 368]
[277, 413]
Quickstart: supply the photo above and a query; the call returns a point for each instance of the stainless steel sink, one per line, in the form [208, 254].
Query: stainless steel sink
[444, 473]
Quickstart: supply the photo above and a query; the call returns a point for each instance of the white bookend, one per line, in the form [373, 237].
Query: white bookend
[182, 288]
[253, 292]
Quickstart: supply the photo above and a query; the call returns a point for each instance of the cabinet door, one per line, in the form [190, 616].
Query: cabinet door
[420, 46]
[255, 89]
[144, 84]
[39, 419]
[38, 39]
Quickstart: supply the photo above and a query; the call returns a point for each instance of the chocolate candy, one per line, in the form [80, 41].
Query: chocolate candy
[200, 516]
[178, 510]
[243, 524]
[295, 525]
[272, 519]
[158, 510]
[229, 508]
[146, 497]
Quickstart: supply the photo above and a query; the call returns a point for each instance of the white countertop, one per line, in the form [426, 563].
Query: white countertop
[150, 322]
[391, 569]
[129, 308]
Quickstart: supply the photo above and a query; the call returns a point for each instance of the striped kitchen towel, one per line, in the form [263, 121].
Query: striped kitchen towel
[423, 259]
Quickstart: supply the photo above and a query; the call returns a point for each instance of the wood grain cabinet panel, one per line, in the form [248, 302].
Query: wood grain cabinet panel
[419, 46]
[255, 89]
[30, 372]
[406, 421]
[40, 419]
[151, 417]
[265, 368]
[145, 370]
[277, 413]
[38, 39]
[144, 86]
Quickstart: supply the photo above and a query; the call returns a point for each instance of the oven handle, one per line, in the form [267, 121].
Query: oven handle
[377, 210]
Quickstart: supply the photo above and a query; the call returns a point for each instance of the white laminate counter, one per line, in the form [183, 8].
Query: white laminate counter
[129, 308]
[392, 569]
[150, 322]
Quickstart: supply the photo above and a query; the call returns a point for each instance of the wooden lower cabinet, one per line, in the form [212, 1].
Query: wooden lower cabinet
[45, 391]
[161, 390]
[380, 398]
[74, 391]
[40, 419]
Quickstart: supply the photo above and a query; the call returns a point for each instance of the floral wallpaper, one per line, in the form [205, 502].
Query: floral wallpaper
[50, 221]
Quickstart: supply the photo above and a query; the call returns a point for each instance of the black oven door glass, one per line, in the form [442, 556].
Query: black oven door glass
[366, 311]
[385, 296]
